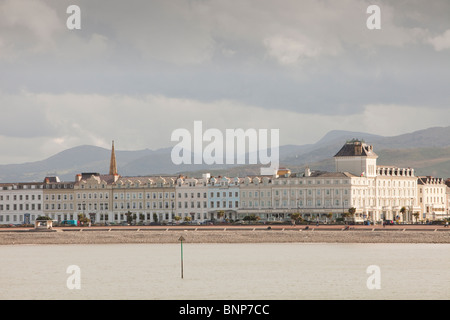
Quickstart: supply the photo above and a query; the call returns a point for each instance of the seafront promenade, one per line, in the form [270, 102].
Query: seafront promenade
[229, 234]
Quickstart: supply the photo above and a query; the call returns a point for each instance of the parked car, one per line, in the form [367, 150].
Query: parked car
[69, 223]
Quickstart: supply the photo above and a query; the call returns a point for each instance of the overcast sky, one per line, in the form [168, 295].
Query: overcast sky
[137, 70]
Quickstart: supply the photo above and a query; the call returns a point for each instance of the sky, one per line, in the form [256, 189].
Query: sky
[138, 70]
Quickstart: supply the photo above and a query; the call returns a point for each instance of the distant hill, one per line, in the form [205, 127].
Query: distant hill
[433, 161]
[427, 151]
[438, 137]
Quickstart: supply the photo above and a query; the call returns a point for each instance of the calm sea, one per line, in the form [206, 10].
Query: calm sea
[226, 271]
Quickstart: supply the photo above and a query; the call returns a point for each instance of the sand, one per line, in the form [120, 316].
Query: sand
[222, 236]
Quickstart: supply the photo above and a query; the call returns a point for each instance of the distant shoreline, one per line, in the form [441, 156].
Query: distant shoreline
[225, 235]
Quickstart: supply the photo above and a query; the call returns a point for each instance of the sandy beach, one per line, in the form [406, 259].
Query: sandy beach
[226, 235]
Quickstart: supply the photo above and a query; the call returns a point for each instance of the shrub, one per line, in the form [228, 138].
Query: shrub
[43, 218]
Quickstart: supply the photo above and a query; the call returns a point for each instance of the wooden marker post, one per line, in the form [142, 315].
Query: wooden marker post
[181, 240]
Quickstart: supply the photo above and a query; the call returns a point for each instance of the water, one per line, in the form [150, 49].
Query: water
[226, 271]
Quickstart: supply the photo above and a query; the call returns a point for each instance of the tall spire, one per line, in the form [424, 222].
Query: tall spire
[113, 165]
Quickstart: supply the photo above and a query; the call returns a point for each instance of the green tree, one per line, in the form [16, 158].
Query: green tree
[129, 215]
[82, 218]
[43, 218]
[295, 217]
[329, 215]
[403, 211]
[220, 214]
[251, 218]
[177, 218]
[351, 213]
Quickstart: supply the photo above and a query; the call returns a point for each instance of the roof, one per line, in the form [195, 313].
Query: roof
[321, 174]
[325, 174]
[429, 180]
[356, 148]
[20, 185]
[145, 179]
[53, 179]
[109, 179]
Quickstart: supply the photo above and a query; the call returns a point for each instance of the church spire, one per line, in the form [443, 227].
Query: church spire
[113, 165]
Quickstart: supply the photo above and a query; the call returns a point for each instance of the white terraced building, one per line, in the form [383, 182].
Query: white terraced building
[192, 198]
[432, 196]
[317, 196]
[256, 198]
[20, 202]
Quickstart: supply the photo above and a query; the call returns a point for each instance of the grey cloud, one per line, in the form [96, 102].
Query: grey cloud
[301, 56]
[23, 118]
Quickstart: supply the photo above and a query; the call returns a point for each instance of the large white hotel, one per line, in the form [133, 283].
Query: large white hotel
[376, 193]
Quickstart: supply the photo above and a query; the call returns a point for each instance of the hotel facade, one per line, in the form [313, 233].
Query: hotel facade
[375, 193]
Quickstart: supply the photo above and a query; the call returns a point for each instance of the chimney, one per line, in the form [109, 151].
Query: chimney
[358, 148]
[206, 176]
[307, 172]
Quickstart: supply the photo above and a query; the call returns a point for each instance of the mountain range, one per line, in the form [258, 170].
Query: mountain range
[427, 151]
